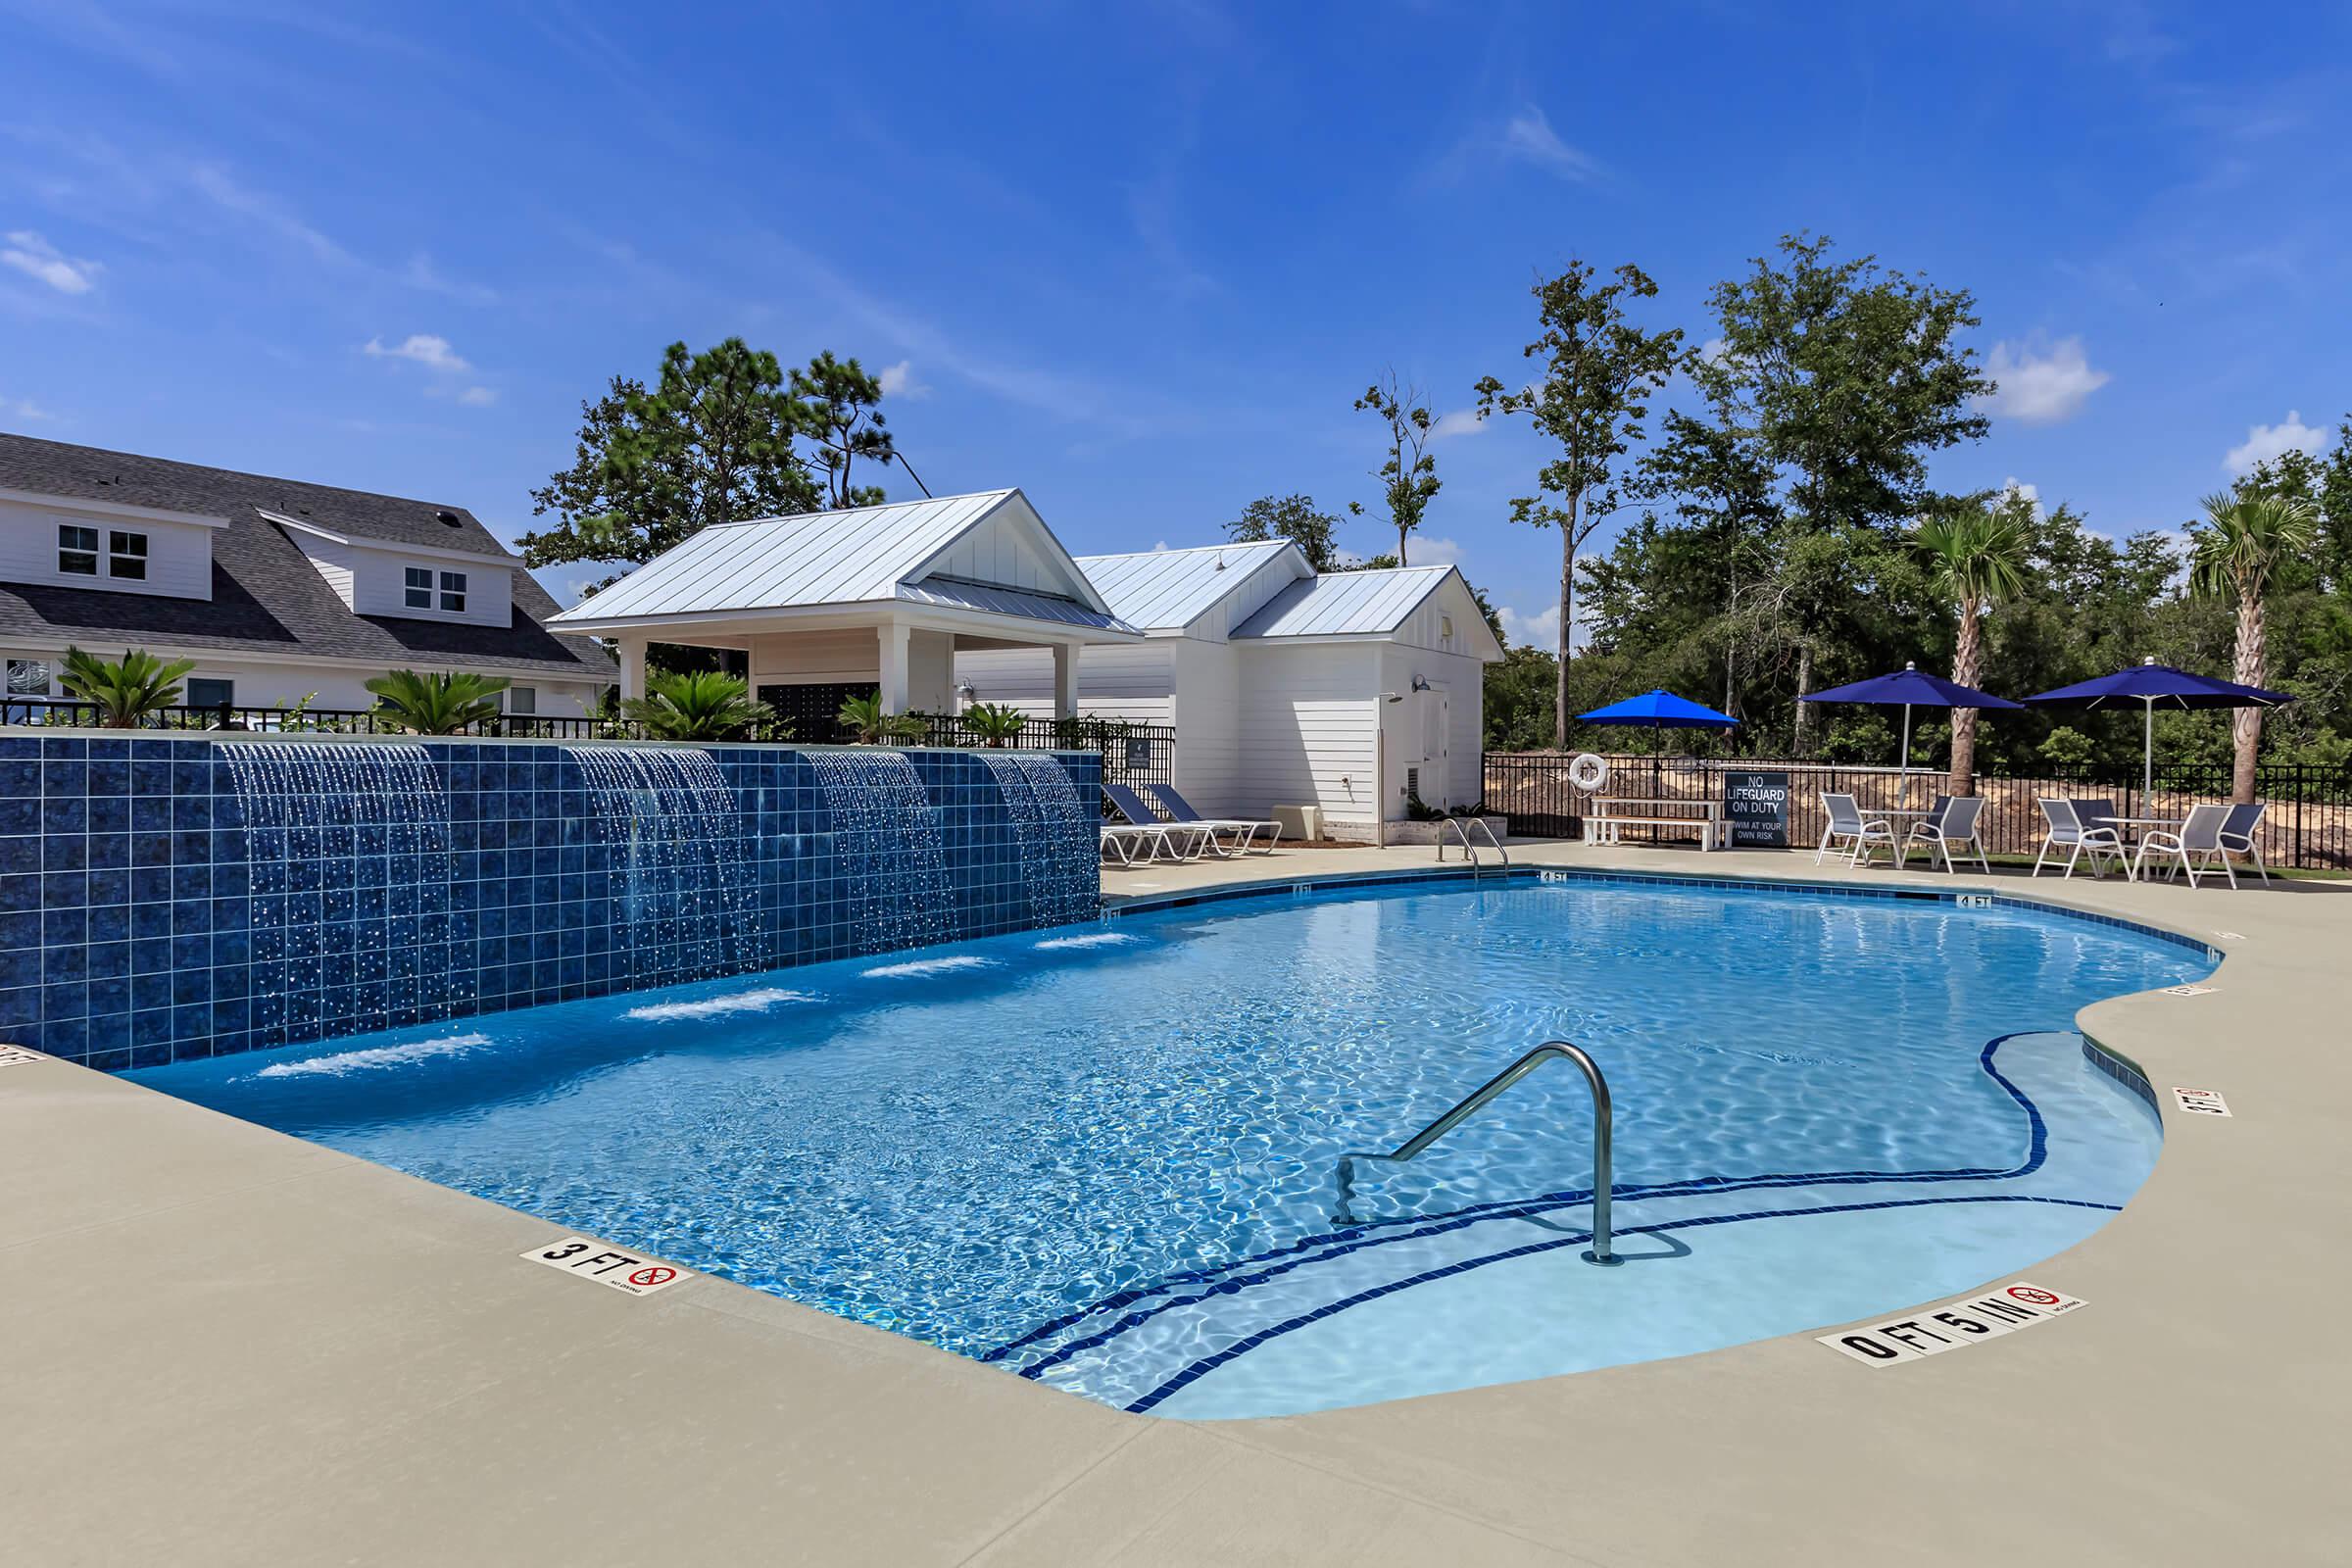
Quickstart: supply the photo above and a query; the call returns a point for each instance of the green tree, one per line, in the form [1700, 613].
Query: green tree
[125, 691]
[1975, 557]
[841, 413]
[1293, 517]
[2239, 547]
[1827, 387]
[438, 704]
[697, 705]
[1598, 372]
[711, 441]
[1408, 476]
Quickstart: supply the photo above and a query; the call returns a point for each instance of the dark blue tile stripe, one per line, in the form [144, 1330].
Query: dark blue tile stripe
[1209, 1363]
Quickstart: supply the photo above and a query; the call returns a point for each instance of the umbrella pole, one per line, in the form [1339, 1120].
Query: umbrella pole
[2147, 760]
[1906, 783]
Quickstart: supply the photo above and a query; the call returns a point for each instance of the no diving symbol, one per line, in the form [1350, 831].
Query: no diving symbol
[659, 1275]
[2034, 1295]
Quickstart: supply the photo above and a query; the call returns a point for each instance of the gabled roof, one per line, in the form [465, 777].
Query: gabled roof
[1167, 590]
[862, 556]
[1345, 604]
[268, 599]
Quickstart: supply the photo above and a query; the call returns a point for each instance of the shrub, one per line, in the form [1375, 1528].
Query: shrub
[699, 706]
[437, 704]
[125, 691]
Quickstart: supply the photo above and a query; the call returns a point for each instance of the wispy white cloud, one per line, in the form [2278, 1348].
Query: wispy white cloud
[422, 273]
[1433, 552]
[25, 409]
[424, 348]
[1460, 422]
[2265, 442]
[2035, 384]
[33, 256]
[1528, 138]
[217, 186]
[898, 381]
[478, 397]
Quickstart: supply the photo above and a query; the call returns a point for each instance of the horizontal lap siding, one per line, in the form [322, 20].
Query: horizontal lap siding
[1307, 728]
[1134, 681]
[1208, 728]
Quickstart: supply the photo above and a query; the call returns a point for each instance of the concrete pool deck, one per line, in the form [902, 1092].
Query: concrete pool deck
[225, 1346]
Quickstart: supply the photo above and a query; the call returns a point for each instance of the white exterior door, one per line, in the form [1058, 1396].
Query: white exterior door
[1436, 769]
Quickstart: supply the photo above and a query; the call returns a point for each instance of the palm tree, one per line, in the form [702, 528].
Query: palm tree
[437, 704]
[2238, 547]
[865, 718]
[996, 723]
[126, 690]
[1976, 559]
[702, 706]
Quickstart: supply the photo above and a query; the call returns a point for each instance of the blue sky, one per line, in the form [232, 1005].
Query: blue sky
[1139, 260]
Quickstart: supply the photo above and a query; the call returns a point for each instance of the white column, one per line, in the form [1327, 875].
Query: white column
[633, 666]
[893, 636]
[1066, 680]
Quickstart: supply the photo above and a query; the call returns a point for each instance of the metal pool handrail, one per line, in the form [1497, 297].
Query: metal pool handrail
[1477, 1099]
[1469, 850]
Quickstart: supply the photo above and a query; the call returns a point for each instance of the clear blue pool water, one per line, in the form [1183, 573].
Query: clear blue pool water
[1104, 1157]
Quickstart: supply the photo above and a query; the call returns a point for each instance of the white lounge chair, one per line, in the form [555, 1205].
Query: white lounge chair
[2238, 835]
[1247, 830]
[1122, 839]
[1163, 837]
[1952, 822]
[1861, 833]
[2197, 844]
[2068, 832]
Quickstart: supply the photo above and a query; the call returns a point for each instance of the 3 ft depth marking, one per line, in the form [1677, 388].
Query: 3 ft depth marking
[625, 1272]
[1954, 1325]
[2200, 1101]
[17, 1057]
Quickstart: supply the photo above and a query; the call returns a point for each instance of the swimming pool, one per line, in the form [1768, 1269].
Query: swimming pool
[1104, 1157]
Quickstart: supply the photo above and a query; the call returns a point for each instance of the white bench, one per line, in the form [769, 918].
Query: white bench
[1603, 827]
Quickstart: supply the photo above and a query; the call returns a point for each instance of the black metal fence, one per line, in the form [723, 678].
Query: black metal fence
[2308, 825]
[1132, 752]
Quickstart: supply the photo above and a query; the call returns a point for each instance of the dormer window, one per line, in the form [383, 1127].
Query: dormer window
[453, 592]
[419, 588]
[126, 555]
[77, 551]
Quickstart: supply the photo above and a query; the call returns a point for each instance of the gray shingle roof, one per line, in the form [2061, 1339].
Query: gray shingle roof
[266, 596]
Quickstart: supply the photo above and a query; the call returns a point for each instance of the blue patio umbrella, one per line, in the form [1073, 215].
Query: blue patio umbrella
[1907, 688]
[2152, 686]
[1659, 710]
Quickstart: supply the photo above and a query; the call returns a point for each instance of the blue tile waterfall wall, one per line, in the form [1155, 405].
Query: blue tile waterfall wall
[136, 927]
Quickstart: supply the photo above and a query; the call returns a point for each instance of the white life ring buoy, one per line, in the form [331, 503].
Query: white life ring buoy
[1588, 773]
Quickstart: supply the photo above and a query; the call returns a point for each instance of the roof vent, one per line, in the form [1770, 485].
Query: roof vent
[450, 518]
[1220, 562]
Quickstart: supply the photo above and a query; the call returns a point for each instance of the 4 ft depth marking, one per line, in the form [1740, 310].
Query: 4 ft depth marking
[627, 1272]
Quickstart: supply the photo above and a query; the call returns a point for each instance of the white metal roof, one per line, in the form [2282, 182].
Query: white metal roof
[864, 556]
[1345, 604]
[1167, 590]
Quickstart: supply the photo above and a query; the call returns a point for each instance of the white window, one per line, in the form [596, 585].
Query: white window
[27, 677]
[453, 592]
[420, 588]
[210, 691]
[126, 555]
[76, 550]
[522, 700]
